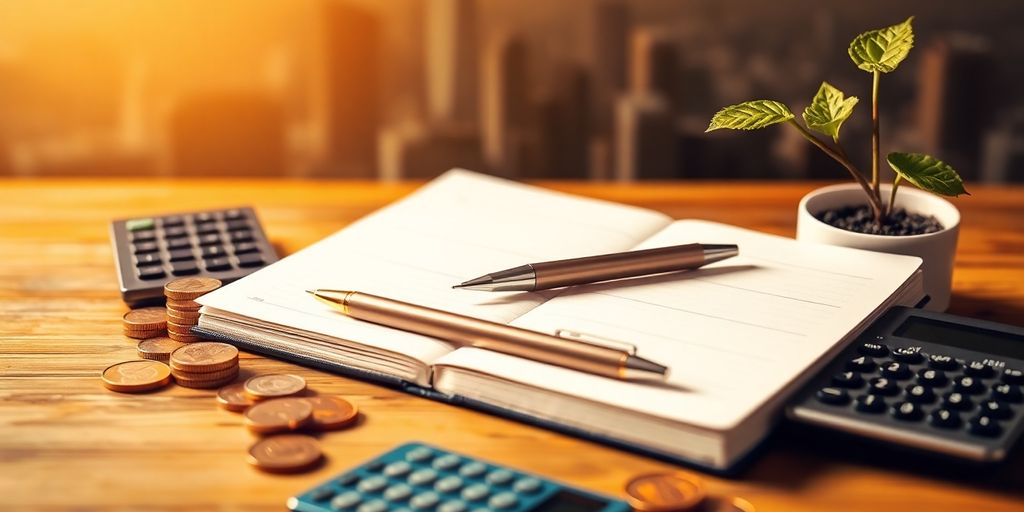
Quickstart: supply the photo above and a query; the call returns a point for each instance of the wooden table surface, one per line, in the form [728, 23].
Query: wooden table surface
[66, 443]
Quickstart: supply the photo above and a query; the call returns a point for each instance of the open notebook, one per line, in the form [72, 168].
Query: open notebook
[738, 335]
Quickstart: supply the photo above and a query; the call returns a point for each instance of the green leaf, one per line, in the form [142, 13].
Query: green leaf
[883, 49]
[828, 110]
[927, 173]
[750, 115]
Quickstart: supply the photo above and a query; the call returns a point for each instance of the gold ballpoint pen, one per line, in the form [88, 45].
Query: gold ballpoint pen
[463, 330]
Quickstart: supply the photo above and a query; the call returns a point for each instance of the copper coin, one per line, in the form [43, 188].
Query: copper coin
[233, 398]
[278, 415]
[284, 454]
[274, 385]
[183, 338]
[137, 376]
[145, 319]
[158, 348]
[205, 356]
[184, 330]
[183, 305]
[727, 504]
[332, 412]
[142, 335]
[218, 375]
[205, 384]
[182, 317]
[665, 492]
[190, 288]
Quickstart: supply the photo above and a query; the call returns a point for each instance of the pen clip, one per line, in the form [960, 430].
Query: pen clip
[596, 341]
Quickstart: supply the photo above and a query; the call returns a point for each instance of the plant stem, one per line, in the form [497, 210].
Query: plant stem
[874, 135]
[889, 208]
[873, 199]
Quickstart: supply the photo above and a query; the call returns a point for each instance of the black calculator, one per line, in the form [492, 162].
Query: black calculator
[150, 251]
[931, 381]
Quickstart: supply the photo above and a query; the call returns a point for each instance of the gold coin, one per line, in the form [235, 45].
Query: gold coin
[145, 319]
[332, 412]
[285, 454]
[136, 376]
[218, 375]
[665, 492]
[183, 305]
[158, 348]
[183, 338]
[278, 415]
[142, 335]
[182, 317]
[233, 398]
[184, 330]
[206, 356]
[727, 504]
[274, 385]
[205, 383]
[190, 287]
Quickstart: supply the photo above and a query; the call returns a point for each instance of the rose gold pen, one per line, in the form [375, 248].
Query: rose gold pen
[576, 353]
[591, 269]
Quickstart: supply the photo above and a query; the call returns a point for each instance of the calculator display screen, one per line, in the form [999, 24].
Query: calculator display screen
[963, 336]
[568, 501]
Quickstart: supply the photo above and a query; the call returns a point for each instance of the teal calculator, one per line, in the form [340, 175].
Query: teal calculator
[418, 477]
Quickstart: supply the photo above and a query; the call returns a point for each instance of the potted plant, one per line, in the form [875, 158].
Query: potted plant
[867, 214]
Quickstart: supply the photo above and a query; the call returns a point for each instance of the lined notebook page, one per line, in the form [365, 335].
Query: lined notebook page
[733, 333]
[459, 226]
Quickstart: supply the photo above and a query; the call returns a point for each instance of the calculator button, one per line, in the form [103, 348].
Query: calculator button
[347, 479]
[1013, 376]
[149, 273]
[249, 260]
[450, 483]
[472, 470]
[145, 235]
[373, 484]
[882, 386]
[452, 506]
[233, 214]
[346, 500]
[1007, 392]
[873, 349]
[139, 224]
[896, 370]
[240, 236]
[967, 384]
[206, 228]
[175, 232]
[851, 380]
[422, 476]
[956, 401]
[942, 362]
[208, 239]
[397, 468]
[996, 409]
[215, 264]
[148, 259]
[237, 224]
[526, 485]
[181, 255]
[931, 377]
[144, 247]
[172, 220]
[418, 454]
[870, 403]
[247, 247]
[375, 466]
[978, 369]
[982, 425]
[503, 500]
[945, 418]
[829, 395]
[424, 500]
[502, 477]
[447, 462]
[475, 492]
[907, 355]
[322, 494]
[397, 492]
[213, 251]
[907, 411]
[373, 506]
[861, 364]
[184, 268]
[178, 243]
[920, 394]
[204, 217]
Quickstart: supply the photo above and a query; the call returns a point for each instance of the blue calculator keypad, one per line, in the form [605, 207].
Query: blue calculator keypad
[418, 478]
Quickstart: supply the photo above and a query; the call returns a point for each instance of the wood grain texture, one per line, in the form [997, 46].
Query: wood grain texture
[66, 443]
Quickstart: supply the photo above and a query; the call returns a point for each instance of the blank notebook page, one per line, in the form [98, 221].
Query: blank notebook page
[733, 333]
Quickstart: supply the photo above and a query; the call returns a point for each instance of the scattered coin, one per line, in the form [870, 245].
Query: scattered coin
[145, 319]
[183, 305]
[665, 492]
[727, 504]
[158, 348]
[332, 412]
[190, 288]
[278, 415]
[273, 385]
[285, 454]
[204, 356]
[233, 398]
[137, 376]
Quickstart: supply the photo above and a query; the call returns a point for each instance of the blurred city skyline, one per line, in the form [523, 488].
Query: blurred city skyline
[598, 89]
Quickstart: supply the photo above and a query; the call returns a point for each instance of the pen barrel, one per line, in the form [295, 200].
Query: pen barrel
[554, 274]
[468, 331]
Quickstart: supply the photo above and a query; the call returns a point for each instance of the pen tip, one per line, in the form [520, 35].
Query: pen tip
[311, 292]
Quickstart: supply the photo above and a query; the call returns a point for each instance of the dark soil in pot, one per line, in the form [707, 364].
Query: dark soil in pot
[859, 219]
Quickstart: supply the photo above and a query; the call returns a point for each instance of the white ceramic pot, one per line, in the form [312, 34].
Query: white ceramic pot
[936, 249]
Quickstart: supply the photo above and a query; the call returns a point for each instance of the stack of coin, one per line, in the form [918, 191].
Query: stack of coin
[182, 309]
[158, 349]
[204, 365]
[144, 323]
